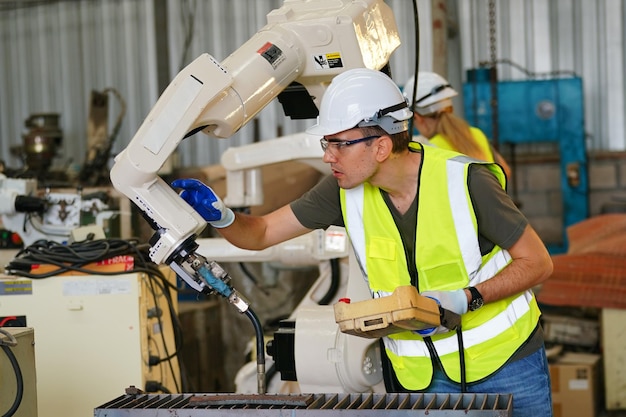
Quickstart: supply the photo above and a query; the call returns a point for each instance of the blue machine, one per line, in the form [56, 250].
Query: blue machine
[534, 111]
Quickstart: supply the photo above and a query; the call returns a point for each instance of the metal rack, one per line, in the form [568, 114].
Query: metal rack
[363, 405]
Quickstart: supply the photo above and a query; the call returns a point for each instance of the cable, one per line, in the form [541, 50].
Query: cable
[177, 337]
[75, 256]
[252, 278]
[334, 283]
[16, 369]
[260, 350]
[459, 336]
[417, 60]
[528, 73]
[165, 291]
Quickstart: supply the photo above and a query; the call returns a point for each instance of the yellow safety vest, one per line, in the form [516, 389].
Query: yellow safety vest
[447, 258]
[440, 141]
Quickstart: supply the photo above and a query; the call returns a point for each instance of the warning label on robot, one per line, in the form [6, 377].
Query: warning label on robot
[328, 61]
[272, 53]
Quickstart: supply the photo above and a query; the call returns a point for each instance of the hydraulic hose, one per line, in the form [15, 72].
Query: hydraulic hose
[18, 373]
[334, 282]
[260, 352]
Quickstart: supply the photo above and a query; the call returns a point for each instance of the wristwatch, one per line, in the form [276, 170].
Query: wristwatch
[476, 301]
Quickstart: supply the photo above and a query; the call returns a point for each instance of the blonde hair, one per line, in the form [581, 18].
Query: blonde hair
[457, 133]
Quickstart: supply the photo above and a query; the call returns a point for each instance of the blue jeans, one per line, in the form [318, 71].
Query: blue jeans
[528, 379]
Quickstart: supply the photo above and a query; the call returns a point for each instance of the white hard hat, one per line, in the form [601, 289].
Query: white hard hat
[362, 97]
[433, 92]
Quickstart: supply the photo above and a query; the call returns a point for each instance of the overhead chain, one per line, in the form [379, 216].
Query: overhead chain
[493, 74]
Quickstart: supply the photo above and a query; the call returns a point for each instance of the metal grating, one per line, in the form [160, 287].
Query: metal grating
[363, 405]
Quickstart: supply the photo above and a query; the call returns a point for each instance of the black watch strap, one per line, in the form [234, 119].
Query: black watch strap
[476, 301]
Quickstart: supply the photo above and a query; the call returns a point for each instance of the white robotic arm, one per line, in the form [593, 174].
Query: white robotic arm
[306, 42]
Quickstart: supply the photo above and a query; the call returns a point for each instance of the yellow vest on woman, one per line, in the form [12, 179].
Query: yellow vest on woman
[447, 257]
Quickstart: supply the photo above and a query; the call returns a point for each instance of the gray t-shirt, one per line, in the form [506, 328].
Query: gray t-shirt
[499, 221]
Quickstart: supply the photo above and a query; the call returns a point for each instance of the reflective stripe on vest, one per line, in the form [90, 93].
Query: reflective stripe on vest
[471, 337]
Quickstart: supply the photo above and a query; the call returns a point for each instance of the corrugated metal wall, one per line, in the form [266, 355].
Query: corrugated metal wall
[548, 36]
[53, 54]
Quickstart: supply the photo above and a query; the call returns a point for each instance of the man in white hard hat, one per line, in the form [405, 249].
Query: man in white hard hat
[422, 216]
[435, 119]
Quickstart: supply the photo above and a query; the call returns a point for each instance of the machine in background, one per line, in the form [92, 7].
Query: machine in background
[535, 111]
[61, 215]
[40, 142]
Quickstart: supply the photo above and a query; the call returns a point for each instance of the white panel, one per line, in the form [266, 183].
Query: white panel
[517, 37]
[615, 45]
[465, 33]
[541, 36]
[590, 47]
[88, 341]
[563, 19]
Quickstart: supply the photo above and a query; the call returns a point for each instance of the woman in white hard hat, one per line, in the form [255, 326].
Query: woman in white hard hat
[434, 118]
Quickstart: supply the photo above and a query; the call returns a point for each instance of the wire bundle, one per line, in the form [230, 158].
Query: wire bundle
[75, 256]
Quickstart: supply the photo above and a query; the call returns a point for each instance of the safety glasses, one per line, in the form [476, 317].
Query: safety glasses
[337, 144]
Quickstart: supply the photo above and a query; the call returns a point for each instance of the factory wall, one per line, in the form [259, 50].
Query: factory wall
[54, 53]
[536, 187]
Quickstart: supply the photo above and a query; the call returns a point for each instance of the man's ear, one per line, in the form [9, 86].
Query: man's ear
[384, 148]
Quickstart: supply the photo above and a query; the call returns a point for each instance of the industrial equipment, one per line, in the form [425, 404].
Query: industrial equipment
[94, 335]
[296, 55]
[40, 143]
[49, 215]
[535, 111]
[95, 169]
[310, 405]
[17, 371]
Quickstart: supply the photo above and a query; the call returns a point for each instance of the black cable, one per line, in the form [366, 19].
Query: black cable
[168, 356]
[176, 326]
[252, 278]
[75, 256]
[459, 336]
[260, 342]
[528, 73]
[416, 24]
[335, 280]
[18, 375]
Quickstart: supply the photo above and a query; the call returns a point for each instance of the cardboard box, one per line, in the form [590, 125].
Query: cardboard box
[576, 384]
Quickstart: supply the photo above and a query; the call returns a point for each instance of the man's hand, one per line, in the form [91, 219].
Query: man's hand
[204, 200]
[455, 301]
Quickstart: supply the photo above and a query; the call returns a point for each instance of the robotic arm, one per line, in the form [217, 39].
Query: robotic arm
[303, 46]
